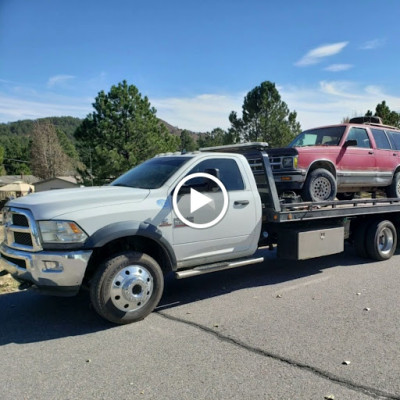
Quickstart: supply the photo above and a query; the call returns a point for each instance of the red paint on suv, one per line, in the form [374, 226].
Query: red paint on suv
[340, 160]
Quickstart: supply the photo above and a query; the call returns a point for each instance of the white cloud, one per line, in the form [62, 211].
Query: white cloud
[373, 44]
[331, 101]
[325, 102]
[338, 67]
[198, 113]
[58, 80]
[13, 108]
[316, 55]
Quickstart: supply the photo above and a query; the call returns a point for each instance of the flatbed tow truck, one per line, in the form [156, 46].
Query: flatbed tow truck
[191, 214]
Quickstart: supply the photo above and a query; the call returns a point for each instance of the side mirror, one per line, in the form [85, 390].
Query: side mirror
[213, 172]
[184, 189]
[351, 142]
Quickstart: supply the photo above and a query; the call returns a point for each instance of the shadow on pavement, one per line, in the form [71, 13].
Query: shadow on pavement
[271, 271]
[27, 317]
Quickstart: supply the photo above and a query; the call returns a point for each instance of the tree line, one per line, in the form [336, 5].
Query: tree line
[123, 130]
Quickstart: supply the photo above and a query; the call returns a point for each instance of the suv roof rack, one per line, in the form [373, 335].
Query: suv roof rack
[371, 120]
[366, 119]
[236, 147]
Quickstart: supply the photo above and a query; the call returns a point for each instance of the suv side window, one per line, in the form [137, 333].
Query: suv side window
[229, 173]
[394, 138]
[361, 136]
[381, 140]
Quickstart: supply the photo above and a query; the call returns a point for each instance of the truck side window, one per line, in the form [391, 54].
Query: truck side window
[361, 136]
[229, 173]
[381, 140]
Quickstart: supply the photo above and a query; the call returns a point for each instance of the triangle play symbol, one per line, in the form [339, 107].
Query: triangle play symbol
[197, 200]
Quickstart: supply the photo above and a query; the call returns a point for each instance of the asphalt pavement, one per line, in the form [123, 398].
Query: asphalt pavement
[326, 328]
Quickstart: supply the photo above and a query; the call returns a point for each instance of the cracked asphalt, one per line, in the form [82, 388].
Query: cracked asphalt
[277, 330]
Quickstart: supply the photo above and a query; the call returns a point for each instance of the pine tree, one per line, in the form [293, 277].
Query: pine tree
[121, 132]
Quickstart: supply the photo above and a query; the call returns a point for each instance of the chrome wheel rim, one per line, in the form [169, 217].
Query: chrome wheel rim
[321, 188]
[131, 288]
[385, 241]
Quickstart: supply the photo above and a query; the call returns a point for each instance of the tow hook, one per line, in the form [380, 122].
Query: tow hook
[25, 285]
[3, 272]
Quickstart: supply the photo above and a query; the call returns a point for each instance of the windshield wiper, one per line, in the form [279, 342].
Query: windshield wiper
[122, 185]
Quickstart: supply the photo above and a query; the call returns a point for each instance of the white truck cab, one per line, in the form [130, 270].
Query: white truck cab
[58, 240]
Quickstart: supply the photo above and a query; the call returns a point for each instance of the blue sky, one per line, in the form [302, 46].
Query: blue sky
[196, 60]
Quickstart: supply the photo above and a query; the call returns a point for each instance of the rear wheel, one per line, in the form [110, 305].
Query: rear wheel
[381, 240]
[127, 287]
[320, 185]
[359, 239]
[393, 190]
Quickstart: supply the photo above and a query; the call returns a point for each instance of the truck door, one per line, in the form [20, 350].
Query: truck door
[236, 234]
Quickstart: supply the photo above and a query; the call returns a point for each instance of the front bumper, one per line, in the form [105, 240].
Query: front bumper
[56, 272]
[289, 180]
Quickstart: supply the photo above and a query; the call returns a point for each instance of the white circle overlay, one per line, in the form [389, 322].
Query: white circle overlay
[215, 220]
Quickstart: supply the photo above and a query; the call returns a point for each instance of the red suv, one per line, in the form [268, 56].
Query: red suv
[340, 160]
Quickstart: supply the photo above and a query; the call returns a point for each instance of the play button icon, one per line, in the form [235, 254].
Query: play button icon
[200, 200]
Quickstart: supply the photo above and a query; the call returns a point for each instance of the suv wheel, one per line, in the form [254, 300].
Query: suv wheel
[393, 190]
[320, 185]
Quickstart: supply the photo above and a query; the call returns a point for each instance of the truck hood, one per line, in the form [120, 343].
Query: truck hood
[54, 203]
[282, 151]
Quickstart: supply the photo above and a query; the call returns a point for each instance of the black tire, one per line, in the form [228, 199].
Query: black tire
[381, 240]
[359, 239]
[393, 190]
[345, 196]
[320, 185]
[127, 287]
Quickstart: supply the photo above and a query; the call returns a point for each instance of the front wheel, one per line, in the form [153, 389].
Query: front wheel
[320, 185]
[127, 287]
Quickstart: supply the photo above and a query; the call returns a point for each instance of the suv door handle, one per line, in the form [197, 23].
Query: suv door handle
[240, 202]
[371, 152]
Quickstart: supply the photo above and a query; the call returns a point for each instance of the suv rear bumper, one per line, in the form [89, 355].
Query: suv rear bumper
[56, 271]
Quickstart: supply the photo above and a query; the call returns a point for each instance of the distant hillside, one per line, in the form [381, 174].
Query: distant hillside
[24, 127]
[66, 124]
[177, 131]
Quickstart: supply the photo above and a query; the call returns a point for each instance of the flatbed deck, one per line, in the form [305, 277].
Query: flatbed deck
[334, 209]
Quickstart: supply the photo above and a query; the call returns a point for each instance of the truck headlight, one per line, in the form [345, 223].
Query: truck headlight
[61, 232]
[287, 162]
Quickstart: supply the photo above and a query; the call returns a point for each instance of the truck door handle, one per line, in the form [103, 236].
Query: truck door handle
[371, 152]
[241, 202]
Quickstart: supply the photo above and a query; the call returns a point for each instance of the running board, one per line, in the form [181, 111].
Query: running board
[205, 269]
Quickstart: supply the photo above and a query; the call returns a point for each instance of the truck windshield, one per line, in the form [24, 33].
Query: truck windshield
[151, 174]
[329, 136]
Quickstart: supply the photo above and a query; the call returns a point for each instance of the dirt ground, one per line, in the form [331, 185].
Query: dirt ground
[7, 283]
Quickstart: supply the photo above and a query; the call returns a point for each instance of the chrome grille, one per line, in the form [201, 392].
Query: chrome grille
[20, 231]
[276, 163]
[20, 220]
[23, 238]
